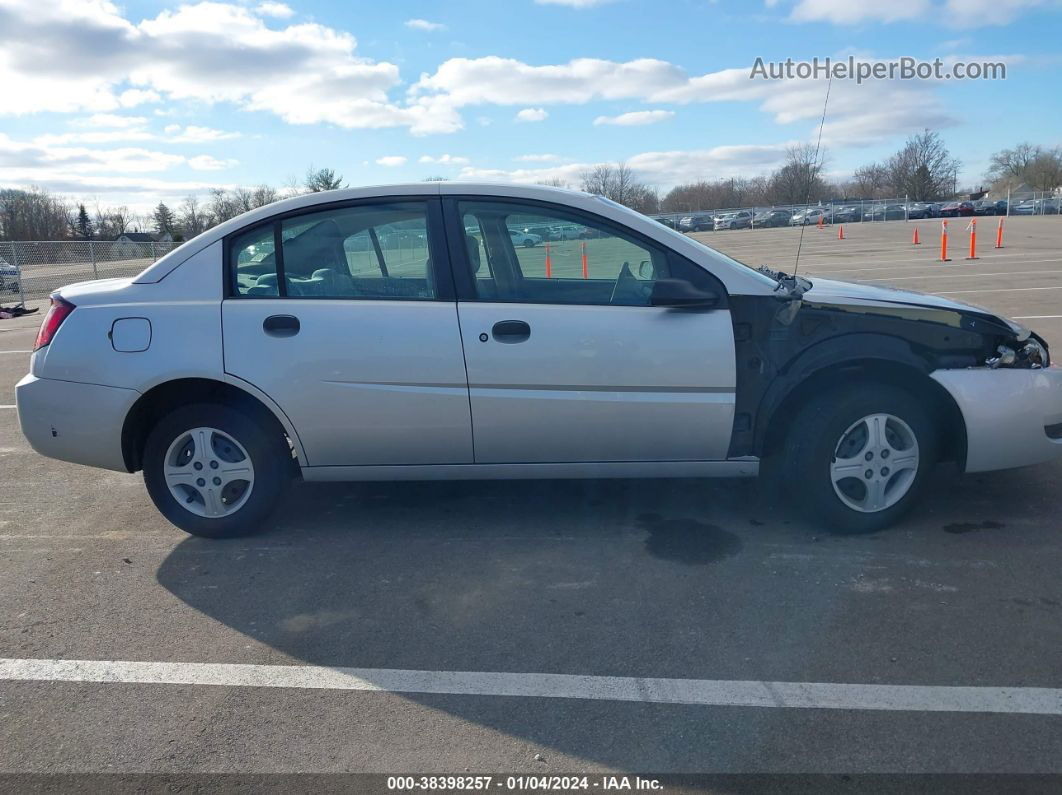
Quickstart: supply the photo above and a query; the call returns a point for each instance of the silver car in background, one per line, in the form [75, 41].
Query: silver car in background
[404, 332]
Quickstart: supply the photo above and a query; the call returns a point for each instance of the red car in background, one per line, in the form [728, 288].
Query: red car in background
[955, 209]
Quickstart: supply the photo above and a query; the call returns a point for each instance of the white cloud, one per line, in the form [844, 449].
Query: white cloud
[278, 10]
[661, 169]
[391, 161]
[978, 13]
[423, 24]
[193, 134]
[112, 120]
[208, 163]
[844, 12]
[951, 13]
[636, 118]
[532, 114]
[543, 158]
[99, 61]
[445, 160]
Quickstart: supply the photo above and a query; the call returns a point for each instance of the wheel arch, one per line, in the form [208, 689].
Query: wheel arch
[164, 397]
[869, 358]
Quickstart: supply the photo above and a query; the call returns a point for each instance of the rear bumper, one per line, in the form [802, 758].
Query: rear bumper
[80, 423]
[1006, 413]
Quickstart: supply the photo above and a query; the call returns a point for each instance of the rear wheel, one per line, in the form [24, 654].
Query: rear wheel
[857, 457]
[215, 471]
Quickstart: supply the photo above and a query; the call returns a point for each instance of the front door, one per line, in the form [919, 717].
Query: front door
[567, 361]
[338, 316]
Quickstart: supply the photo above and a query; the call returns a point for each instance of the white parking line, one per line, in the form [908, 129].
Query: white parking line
[708, 692]
[1037, 317]
[1000, 290]
[957, 276]
[3, 352]
[7, 405]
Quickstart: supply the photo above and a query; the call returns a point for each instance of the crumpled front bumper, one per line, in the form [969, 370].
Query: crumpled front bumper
[1007, 413]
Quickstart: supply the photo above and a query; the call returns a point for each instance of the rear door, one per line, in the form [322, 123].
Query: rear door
[346, 318]
[567, 361]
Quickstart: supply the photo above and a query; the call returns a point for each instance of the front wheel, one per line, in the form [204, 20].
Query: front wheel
[858, 457]
[216, 471]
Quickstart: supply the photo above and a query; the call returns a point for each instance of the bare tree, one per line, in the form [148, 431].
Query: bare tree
[924, 168]
[553, 182]
[618, 183]
[870, 182]
[799, 181]
[33, 214]
[1033, 165]
[192, 221]
[261, 195]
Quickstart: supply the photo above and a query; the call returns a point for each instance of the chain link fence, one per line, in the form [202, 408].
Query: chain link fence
[31, 269]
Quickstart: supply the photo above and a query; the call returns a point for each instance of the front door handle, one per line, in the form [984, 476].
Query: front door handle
[281, 325]
[511, 331]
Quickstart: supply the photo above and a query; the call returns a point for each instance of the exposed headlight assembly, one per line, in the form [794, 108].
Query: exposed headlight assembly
[1031, 354]
[1034, 355]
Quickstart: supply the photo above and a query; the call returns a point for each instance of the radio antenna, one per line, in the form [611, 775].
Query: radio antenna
[811, 176]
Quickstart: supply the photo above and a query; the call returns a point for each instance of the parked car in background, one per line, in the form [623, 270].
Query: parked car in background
[990, 207]
[771, 218]
[525, 239]
[885, 212]
[9, 277]
[566, 232]
[696, 223]
[670, 223]
[916, 211]
[956, 209]
[1037, 207]
[845, 215]
[739, 219]
[812, 215]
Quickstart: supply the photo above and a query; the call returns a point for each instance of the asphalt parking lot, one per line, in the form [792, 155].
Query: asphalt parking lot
[616, 585]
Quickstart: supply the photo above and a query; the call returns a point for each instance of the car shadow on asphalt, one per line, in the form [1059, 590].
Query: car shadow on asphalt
[624, 578]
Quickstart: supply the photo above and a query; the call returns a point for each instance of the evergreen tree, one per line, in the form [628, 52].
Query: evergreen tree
[83, 224]
[164, 220]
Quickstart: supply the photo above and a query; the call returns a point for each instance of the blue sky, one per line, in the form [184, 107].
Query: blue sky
[145, 100]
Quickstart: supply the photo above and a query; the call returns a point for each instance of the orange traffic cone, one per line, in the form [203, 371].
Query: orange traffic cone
[820, 223]
[586, 264]
[999, 234]
[915, 239]
[840, 232]
[944, 242]
[973, 238]
[549, 265]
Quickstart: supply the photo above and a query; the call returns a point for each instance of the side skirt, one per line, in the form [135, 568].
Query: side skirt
[733, 468]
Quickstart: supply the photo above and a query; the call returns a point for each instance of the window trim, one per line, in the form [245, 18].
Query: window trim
[461, 267]
[438, 250]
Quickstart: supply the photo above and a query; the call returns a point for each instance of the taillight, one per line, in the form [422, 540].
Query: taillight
[57, 313]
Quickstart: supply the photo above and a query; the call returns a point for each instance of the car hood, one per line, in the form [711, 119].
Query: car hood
[877, 299]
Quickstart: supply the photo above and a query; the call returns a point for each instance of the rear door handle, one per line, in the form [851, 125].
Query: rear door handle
[281, 325]
[511, 331]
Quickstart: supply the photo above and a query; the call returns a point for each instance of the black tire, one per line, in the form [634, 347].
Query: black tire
[817, 430]
[529, 243]
[265, 445]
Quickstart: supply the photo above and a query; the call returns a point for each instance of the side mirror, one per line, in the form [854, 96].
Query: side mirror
[646, 270]
[680, 294]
